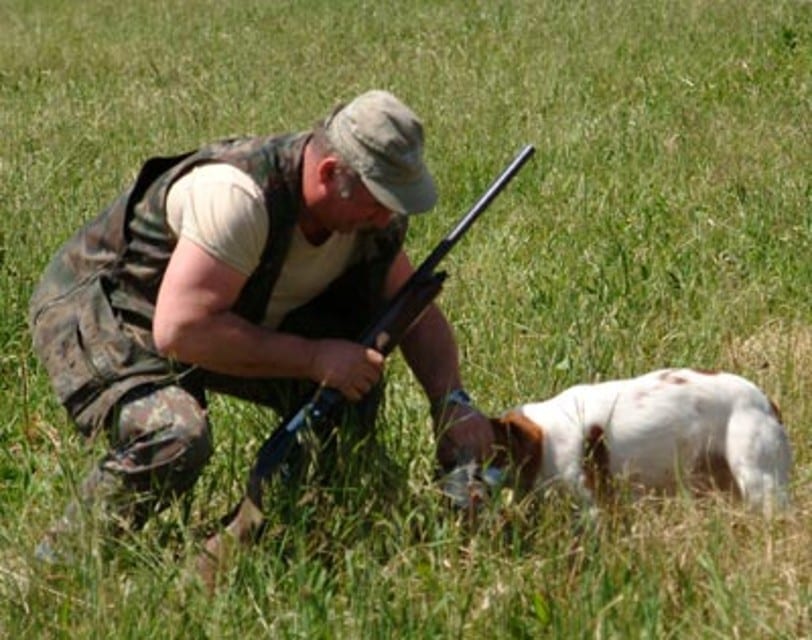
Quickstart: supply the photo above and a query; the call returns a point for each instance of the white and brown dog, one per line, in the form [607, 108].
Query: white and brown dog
[657, 432]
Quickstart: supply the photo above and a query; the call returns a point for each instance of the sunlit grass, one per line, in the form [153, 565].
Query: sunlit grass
[665, 220]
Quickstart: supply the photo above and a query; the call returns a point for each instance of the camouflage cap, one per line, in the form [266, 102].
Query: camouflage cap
[382, 139]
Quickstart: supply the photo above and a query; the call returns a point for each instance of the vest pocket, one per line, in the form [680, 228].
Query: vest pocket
[82, 345]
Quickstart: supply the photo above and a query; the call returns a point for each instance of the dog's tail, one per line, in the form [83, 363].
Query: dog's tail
[760, 458]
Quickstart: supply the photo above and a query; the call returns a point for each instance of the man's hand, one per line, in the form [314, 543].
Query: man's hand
[464, 434]
[347, 366]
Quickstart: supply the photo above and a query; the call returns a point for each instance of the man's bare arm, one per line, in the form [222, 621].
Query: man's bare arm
[432, 354]
[194, 323]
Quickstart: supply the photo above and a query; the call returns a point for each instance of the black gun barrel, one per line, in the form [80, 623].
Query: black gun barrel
[453, 236]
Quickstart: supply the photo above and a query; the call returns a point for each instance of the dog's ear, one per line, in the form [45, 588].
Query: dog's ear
[519, 446]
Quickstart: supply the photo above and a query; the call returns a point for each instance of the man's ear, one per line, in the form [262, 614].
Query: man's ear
[519, 445]
[326, 170]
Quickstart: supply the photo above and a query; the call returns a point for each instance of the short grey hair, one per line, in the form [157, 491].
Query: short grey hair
[347, 177]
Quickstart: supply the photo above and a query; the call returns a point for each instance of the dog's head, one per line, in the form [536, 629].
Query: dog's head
[518, 448]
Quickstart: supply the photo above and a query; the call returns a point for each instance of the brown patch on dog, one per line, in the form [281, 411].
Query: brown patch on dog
[671, 378]
[706, 372]
[519, 445]
[596, 462]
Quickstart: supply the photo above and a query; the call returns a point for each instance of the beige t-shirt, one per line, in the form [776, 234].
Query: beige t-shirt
[222, 210]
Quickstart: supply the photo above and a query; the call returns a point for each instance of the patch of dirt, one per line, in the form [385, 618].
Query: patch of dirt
[778, 345]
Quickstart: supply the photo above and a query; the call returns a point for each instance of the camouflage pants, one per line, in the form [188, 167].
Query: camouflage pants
[160, 441]
[160, 438]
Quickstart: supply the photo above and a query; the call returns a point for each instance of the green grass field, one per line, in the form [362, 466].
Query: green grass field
[666, 219]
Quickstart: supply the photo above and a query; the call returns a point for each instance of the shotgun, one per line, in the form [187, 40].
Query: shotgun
[383, 334]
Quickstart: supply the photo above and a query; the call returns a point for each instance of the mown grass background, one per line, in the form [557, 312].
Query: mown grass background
[665, 220]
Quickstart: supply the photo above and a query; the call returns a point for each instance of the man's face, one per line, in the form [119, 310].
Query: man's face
[358, 210]
[337, 203]
[349, 206]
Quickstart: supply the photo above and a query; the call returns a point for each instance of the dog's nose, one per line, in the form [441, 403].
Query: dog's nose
[468, 485]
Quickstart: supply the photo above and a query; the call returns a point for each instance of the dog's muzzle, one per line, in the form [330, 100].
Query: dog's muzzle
[469, 485]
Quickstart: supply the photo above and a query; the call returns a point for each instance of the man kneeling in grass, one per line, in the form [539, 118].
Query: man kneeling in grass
[246, 267]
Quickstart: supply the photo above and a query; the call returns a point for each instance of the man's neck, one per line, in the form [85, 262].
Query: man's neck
[313, 232]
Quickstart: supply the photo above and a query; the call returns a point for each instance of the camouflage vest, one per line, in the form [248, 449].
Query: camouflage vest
[91, 314]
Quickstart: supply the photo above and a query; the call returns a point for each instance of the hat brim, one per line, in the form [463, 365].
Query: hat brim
[415, 197]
